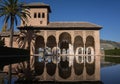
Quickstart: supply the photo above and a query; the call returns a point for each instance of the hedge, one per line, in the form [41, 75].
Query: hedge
[112, 52]
[13, 55]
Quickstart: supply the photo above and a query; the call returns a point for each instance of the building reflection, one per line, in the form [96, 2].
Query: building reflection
[63, 65]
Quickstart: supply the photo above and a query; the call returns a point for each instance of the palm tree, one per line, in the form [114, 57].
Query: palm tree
[4, 28]
[11, 10]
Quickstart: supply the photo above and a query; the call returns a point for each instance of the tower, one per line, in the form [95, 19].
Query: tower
[39, 13]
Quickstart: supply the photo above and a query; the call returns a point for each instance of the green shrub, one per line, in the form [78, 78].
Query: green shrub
[112, 52]
[2, 43]
[112, 59]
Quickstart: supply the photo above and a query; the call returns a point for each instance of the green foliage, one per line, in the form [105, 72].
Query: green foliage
[13, 55]
[2, 43]
[112, 52]
[112, 59]
[13, 9]
[4, 28]
[13, 51]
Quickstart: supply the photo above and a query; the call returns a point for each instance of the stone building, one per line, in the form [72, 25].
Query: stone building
[62, 51]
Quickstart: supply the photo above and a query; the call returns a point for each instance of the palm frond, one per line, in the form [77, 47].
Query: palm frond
[6, 18]
[14, 8]
[16, 20]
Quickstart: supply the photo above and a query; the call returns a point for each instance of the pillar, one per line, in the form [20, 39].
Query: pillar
[84, 41]
[45, 71]
[97, 55]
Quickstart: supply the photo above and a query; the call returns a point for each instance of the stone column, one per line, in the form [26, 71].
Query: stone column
[45, 37]
[84, 41]
[57, 41]
[45, 40]
[72, 58]
[97, 55]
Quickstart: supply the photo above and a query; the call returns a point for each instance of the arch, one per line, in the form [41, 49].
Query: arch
[51, 68]
[39, 49]
[39, 42]
[64, 41]
[78, 42]
[51, 41]
[90, 41]
[65, 36]
[64, 69]
[90, 61]
[90, 55]
[78, 67]
[79, 53]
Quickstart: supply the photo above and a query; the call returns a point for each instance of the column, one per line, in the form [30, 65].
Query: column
[45, 40]
[97, 55]
[84, 41]
[57, 41]
[72, 58]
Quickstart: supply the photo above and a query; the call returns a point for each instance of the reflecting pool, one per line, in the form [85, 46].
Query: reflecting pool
[110, 73]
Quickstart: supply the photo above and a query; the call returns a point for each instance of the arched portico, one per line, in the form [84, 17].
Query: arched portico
[51, 42]
[64, 41]
[48, 42]
[78, 51]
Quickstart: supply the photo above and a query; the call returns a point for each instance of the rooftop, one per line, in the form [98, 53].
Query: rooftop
[37, 5]
[6, 34]
[72, 24]
[65, 26]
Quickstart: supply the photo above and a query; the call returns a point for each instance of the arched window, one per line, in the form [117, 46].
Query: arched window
[39, 15]
[90, 55]
[43, 15]
[35, 15]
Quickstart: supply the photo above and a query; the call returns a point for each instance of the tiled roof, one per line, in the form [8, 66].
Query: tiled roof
[37, 5]
[6, 34]
[65, 26]
[72, 24]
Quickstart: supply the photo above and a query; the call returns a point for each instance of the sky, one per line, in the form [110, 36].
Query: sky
[105, 13]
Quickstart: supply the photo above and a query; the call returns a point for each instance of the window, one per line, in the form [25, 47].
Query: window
[35, 15]
[39, 16]
[43, 15]
[40, 22]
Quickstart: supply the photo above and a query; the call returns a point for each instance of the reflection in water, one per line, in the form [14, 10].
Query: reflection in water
[39, 68]
[111, 74]
[64, 69]
[90, 68]
[51, 68]
[110, 71]
[66, 64]
[78, 67]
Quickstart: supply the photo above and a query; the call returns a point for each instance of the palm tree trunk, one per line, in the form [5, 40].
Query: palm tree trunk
[11, 45]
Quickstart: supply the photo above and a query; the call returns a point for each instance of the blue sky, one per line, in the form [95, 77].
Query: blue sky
[105, 13]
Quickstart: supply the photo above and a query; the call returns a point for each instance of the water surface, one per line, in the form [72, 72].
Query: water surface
[111, 74]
